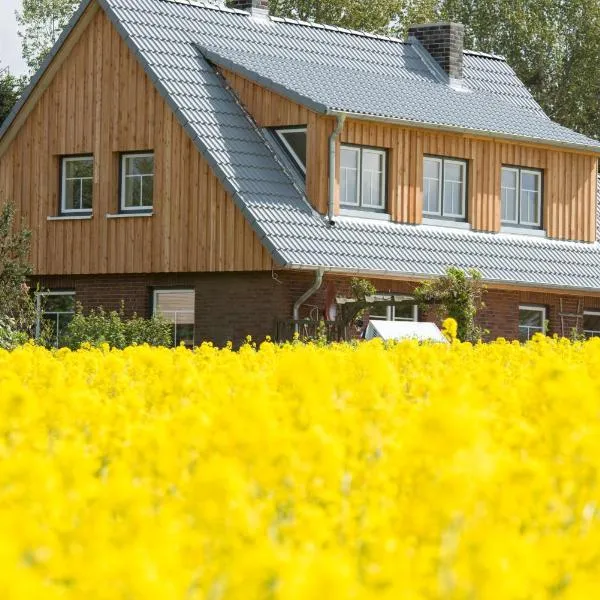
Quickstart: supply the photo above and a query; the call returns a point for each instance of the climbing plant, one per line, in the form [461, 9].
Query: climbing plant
[457, 294]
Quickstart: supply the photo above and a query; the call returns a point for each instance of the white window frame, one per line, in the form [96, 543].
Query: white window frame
[415, 314]
[356, 204]
[442, 161]
[390, 315]
[593, 332]
[280, 134]
[463, 167]
[175, 291]
[434, 159]
[124, 177]
[63, 184]
[38, 310]
[541, 309]
[359, 201]
[520, 171]
[517, 193]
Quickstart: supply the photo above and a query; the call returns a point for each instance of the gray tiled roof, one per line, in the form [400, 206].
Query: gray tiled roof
[162, 33]
[492, 74]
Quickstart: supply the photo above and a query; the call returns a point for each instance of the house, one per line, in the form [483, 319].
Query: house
[232, 171]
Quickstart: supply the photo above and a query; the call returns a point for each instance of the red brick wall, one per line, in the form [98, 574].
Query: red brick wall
[230, 306]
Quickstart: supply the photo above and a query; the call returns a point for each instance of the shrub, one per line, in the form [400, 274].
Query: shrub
[112, 328]
[457, 294]
[10, 336]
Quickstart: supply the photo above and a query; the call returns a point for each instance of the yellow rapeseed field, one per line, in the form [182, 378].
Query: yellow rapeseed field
[303, 472]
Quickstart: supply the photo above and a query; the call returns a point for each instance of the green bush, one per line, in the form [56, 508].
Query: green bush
[112, 328]
[10, 336]
[457, 294]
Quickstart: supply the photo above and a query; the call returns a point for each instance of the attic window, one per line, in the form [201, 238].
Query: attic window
[293, 139]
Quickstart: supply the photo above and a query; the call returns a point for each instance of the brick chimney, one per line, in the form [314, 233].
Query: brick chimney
[444, 42]
[254, 7]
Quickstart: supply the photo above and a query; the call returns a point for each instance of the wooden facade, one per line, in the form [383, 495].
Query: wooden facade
[101, 102]
[96, 99]
[569, 177]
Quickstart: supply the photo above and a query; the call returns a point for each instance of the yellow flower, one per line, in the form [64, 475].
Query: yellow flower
[293, 472]
[450, 329]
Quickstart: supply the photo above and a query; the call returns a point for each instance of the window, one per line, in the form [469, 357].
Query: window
[521, 197]
[362, 172]
[177, 306]
[405, 312]
[77, 182]
[54, 312]
[293, 140]
[591, 324]
[532, 319]
[137, 181]
[444, 188]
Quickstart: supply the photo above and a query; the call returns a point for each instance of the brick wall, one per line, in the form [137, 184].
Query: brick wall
[230, 306]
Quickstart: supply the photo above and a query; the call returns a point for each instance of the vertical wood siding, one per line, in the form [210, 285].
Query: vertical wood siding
[102, 102]
[569, 177]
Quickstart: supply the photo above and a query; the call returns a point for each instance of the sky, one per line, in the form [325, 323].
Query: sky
[10, 44]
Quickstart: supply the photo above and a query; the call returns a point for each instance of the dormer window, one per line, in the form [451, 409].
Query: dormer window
[521, 197]
[362, 174]
[444, 188]
[293, 139]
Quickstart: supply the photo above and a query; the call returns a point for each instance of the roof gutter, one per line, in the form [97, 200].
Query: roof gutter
[307, 294]
[496, 283]
[340, 118]
[466, 130]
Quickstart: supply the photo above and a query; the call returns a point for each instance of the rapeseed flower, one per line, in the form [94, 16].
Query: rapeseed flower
[374, 471]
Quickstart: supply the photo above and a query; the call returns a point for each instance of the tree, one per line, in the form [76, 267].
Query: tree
[552, 45]
[10, 90]
[17, 310]
[40, 24]
[374, 16]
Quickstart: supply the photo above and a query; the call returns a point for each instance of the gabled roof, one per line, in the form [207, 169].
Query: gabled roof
[333, 70]
[163, 35]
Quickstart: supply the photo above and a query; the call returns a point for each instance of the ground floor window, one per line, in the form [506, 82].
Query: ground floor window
[54, 312]
[408, 312]
[177, 306]
[532, 320]
[591, 324]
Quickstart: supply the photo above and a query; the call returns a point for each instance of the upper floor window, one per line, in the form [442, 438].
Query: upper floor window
[362, 178]
[293, 140]
[77, 183]
[54, 311]
[444, 188]
[177, 306]
[137, 181]
[521, 197]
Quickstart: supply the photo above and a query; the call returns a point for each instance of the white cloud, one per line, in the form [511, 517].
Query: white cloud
[10, 43]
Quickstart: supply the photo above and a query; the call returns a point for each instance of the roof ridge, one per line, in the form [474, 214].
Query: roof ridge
[209, 5]
[300, 22]
[486, 54]
[357, 32]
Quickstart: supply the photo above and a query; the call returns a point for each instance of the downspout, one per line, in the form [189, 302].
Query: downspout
[307, 294]
[332, 140]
